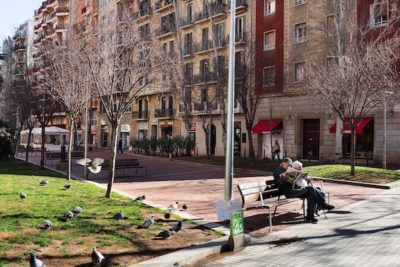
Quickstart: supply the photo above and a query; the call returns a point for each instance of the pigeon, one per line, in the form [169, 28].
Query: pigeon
[167, 216]
[164, 234]
[119, 215]
[149, 222]
[94, 165]
[35, 262]
[69, 215]
[22, 195]
[140, 198]
[97, 257]
[44, 182]
[176, 228]
[47, 224]
[67, 186]
[173, 206]
[77, 210]
[184, 206]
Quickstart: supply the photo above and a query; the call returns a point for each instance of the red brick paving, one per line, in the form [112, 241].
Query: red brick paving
[200, 186]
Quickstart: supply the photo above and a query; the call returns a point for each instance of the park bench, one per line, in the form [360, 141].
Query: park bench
[265, 195]
[125, 164]
[57, 155]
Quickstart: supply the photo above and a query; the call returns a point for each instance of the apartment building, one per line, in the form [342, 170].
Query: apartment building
[52, 21]
[204, 31]
[305, 128]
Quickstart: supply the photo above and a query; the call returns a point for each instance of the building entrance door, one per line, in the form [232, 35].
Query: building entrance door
[311, 139]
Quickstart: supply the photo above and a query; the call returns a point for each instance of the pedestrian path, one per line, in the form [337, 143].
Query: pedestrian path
[366, 233]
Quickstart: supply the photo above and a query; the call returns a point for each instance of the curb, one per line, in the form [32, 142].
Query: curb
[263, 173]
[372, 185]
[187, 256]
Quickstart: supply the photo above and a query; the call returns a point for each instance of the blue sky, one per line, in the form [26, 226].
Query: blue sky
[15, 12]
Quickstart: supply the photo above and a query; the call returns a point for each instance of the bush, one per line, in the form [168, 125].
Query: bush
[7, 133]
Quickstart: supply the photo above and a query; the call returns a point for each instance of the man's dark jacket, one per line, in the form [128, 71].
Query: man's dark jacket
[283, 185]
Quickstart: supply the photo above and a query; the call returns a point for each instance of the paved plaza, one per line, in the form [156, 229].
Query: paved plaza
[200, 186]
[366, 233]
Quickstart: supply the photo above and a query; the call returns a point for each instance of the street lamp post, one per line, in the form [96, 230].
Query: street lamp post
[387, 95]
[230, 114]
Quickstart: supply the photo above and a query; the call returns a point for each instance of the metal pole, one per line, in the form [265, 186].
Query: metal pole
[230, 115]
[384, 135]
[270, 120]
[86, 129]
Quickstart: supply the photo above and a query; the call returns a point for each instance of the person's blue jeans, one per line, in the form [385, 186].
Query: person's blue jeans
[313, 198]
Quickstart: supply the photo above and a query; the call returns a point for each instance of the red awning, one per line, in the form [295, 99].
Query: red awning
[263, 126]
[346, 129]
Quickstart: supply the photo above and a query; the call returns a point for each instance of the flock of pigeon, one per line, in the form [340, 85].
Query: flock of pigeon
[97, 257]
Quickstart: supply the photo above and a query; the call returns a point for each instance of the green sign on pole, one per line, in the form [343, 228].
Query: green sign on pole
[237, 222]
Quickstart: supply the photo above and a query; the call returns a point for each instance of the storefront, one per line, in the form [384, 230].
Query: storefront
[364, 138]
[125, 130]
[263, 129]
[143, 129]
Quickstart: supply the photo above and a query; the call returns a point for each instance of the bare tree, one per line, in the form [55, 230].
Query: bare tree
[362, 68]
[246, 93]
[123, 61]
[67, 81]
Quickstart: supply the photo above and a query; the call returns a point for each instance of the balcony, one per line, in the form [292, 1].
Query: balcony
[164, 5]
[206, 78]
[187, 23]
[62, 11]
[18, 48]
[84, 10]
[164, 32]
[19, 35]
[60, 28]
[164, 113]
[140, 115]
[49, 33]
[241, 6]
[217, 11]
[126, 17]
[37, 27]
[203, 47]
[241, 38]
[188, 50]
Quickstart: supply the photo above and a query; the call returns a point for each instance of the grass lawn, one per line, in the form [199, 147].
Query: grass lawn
[332, 171]
[363, 174]
[70, 243]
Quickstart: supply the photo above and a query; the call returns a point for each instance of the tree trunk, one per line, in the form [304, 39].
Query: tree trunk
[113, 155]
[42, 149]
[17, 141]
[209, 135]
[251, 146]
[71, 138]
[352, 151]
[28, 145]
[338, 139]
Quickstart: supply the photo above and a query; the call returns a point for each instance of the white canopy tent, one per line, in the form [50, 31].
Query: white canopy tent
[55, 137]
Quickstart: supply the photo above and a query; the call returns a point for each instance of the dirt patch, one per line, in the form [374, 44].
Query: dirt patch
[76, 252]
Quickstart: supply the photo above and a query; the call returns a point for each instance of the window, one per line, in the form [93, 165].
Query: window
[219, 30]
[269, 7]
[189, 12]
[204, 67]
[269, 76]
[239, 29]
[300, 33]
[171, 49]
[188, 43]
[164, 47]
[204, 39]
[379, 14]
[203, 95]
[299, 2]
[189, 73]
[269, 40]
[299, 70]
[330, 26]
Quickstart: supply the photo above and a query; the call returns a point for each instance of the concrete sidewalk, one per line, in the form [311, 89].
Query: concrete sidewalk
[365, 233]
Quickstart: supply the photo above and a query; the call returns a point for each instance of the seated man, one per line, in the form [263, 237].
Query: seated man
[308, 192]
